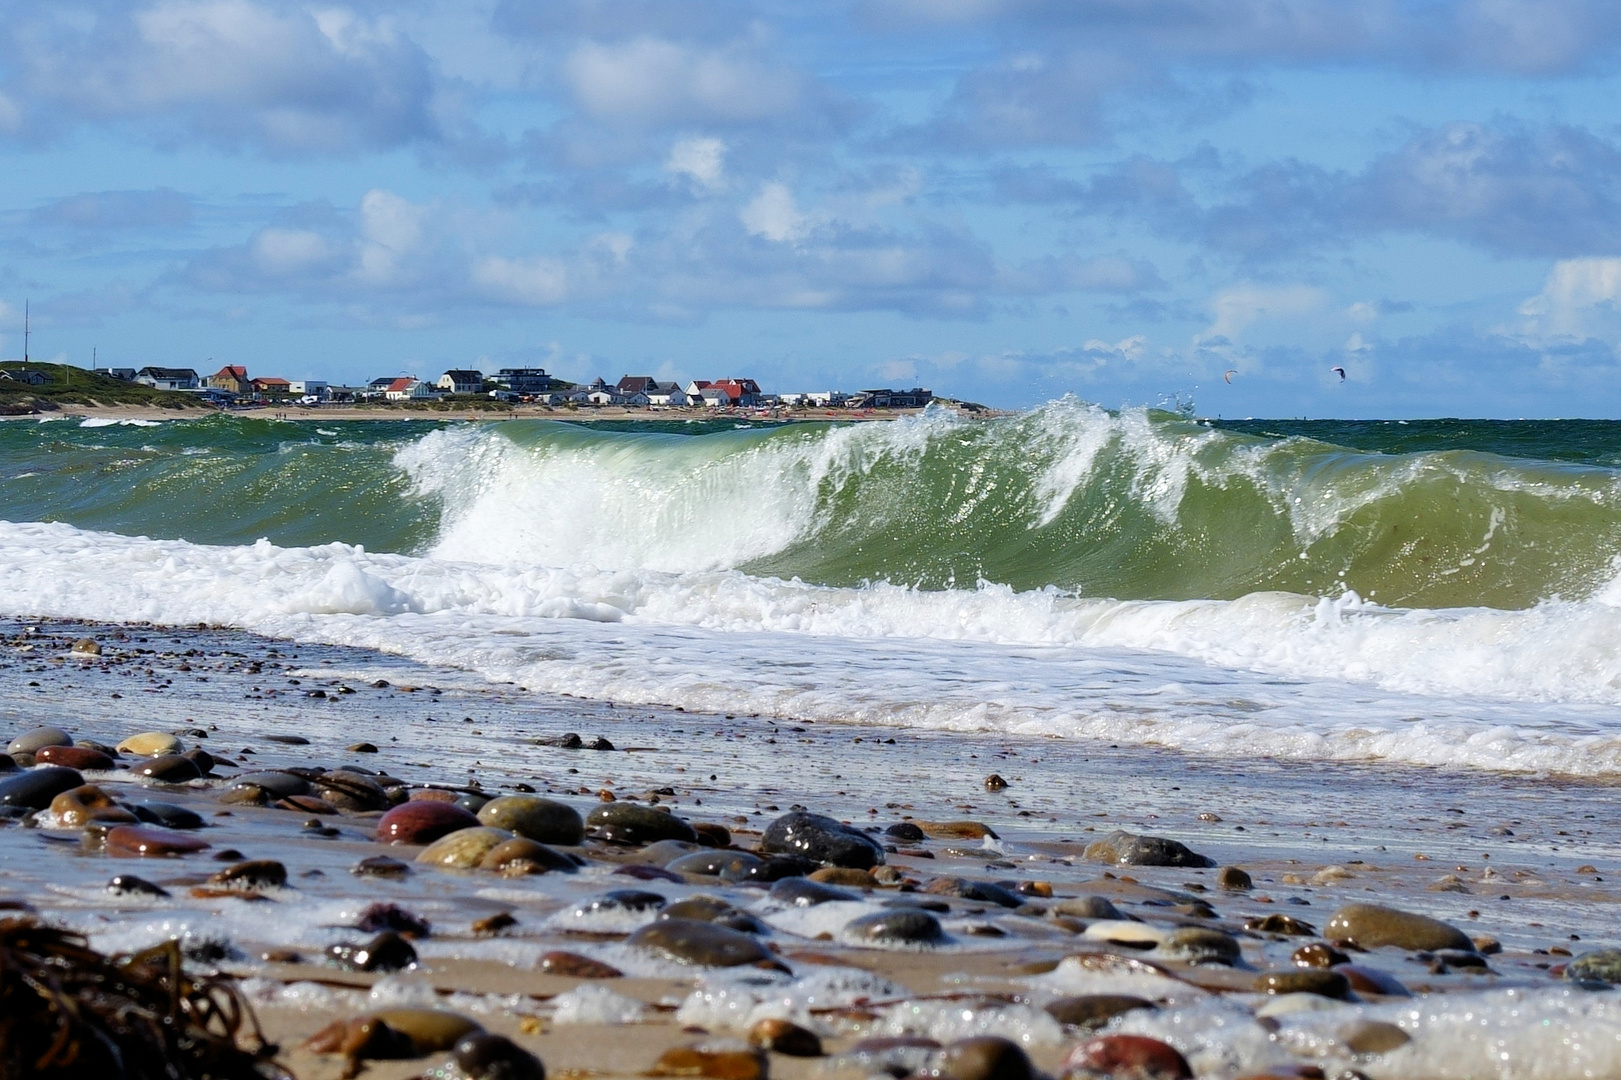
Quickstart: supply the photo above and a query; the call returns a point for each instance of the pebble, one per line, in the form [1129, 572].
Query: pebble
[619, 900]
[983, 1057]
[1135, 1056]
[463, 849]
[79, 806]
[521, 854]
[823, 840]
[351, 791]
[1287, 925]
[1366, 980]
[1126, 932]
[252, 874]
[144, 841]
[380, 866]
[711, 834]
[1088, 907]
[559, 962]
[768, 870]
[422, 821]
[1325, 982]
[785, 1037]
[722, 1060]
[1231, 877]
[492, 925]
[995, 782]
[544, 820]
[129, 884]
[74, 757]
[1091, 1011]
[1365, 1036]
[844, 875]
[1596, 965]
[168, 815]
[388, 951]
[36, 788]
[1197, 945]
[151, 744]
[630, 823]
[957, 830]
[482, 1056]
[803, 892]
[712, 909]
[896, 925]
[168, 768]
[1129, 849]
[278, 784]
[983, 892]
[32, 742]
[1372, 926]
[1318, 955]
[906, 832]
[688, 941]
[710, 862]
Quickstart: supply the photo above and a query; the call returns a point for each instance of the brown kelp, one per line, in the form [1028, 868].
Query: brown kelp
[67, 1010]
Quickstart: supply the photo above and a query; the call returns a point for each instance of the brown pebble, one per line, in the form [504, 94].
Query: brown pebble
[432, 795]
[169, 768]
[712, 835]
[785, 1037]
[1366, 980]
[282, 956]
[79, 806]
[957, 830]
[74, 757]
[362, 748]
[521, 855]
[491, 925]
[1374, 1037]
[559, 962]
[306, 804]
[1231, 877]
[1371, 925]
[844, 875]
[1318, 955]
[720, 1061]
[995, 782]
[984, 1057]
[144, 841]
[1321, 981]
[380, 866]
[253, 874]
[1137, 1057]
[422, 821]
[1280, 924]
[1094, 1010]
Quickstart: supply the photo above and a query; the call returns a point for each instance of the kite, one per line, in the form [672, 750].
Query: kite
[1229, 376]
[1339, 371]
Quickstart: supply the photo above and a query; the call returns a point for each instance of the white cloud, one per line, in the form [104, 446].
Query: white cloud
[1241, 306]
[286, 251]
[774, 215]
[1578, 300]
[390, 228]
[534, 282]
[650, 80]
[702, 159]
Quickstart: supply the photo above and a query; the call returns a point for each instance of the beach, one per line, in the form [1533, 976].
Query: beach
[1519, 865]
[1313, 799]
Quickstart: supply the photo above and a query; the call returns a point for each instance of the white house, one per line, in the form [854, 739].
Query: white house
[714, 397]
[461, 381]
[308, 388]
[605, 397]
[163, 378]
[821, 399]
[409, 389]
[668, 394]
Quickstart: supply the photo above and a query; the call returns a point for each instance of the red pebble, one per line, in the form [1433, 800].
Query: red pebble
[144, 841]
[422, 821]
[74, 757]
[1135, 1056]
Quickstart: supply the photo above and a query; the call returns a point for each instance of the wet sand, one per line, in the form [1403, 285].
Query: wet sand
[1525, 863]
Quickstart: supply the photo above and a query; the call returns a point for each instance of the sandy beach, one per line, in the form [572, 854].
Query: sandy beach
[1005, 875]
[449, 413]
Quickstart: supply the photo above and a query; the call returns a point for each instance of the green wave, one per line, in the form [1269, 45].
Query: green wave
[1067, 496]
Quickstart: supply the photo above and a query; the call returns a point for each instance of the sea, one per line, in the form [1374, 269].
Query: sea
[1440, 593]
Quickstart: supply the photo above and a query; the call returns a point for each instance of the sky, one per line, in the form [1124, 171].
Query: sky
[1138, 202]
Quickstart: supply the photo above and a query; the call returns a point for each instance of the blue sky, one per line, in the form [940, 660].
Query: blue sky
[1004, 200]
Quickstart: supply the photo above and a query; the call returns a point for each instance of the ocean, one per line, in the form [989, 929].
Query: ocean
[1438, 593]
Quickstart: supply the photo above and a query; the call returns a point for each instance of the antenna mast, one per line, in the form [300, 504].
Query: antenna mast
[25, 331]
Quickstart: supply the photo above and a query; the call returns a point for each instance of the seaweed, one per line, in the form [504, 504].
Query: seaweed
[67, 1010]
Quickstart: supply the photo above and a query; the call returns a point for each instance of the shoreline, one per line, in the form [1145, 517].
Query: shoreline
[1312, 837]
[521, 412]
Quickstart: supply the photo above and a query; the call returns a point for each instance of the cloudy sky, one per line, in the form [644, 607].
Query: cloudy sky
[1005, 200]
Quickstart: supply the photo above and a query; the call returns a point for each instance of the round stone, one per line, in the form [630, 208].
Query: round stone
[464, 848]
[702, 944]
[79, 806]
[630, 823]
[785, 1037]
[982, 892]
[168, 815]
[1137, 1056]
[388, 951]
[422, 821]
[1094, 1010]
[1371, 926]
[36, 788]
[576, 966]
[897, 926]
[823, 840]
[803, 892]
[146, 841]
[279, 785]
[905, 832]
[483, 1056]
[1231, 877]
[1596, 965]
[545, 820]
[252, 874]
[1197, 945]
[1323, 982]
[1088, 907]
[151, 744]
[984, 1057]
[1122, 848]
[32, 742]
[531, 856]
[351, 791]
[74, 757]
[711, 862]
[168, 768]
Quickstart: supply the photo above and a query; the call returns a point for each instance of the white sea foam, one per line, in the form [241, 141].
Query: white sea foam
[1273, 673]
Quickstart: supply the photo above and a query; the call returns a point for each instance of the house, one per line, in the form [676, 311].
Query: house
[821, 399]
[232, 378]
[315, 388]
[636, 384]
[382, 384]
[524, 380]
[26, 376]
[167, 378]
[714, 397]
[668, 393]
[122, 374]
[915, 398]
[411, 389]
[270, 384]
[461, 381]
[737, 391]
[605, 396]
[695, 389]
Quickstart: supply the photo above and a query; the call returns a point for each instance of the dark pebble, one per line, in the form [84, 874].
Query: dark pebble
[980, 891]
[906, 832]
[802, 892]
[385, 952]
[1090, 1011]
[382, 916]
[74, 757]
[36, 788]
[483, 1056]
[619, 900]
[380, 866]
[711, 862]
[630, 823]
[983, 1057]
[704, 944]
[1321, 981]
[898, 925]
[823, 840]
[1128, 849]
[129, 884]
[168, 815]
[1135, 1056]
[252, 874]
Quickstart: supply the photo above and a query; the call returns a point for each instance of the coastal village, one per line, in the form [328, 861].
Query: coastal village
[232, 387]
